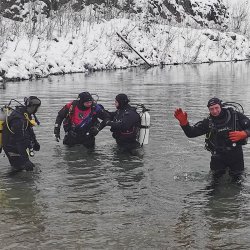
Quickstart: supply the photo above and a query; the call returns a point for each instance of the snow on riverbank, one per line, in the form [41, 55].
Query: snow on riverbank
[97, 47]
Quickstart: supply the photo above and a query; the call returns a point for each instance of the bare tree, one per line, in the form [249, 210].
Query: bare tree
[239, 17]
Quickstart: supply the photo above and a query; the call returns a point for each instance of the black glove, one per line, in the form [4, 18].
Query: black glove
[29, 166]
[93, 131]
[36, 146]
[57, 133]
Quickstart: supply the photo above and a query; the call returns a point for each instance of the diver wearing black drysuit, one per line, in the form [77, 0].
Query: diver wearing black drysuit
[125, 123]
[19, 136]
[226, 131]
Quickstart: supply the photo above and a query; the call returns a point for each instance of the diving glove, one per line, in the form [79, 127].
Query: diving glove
[93, 131]
[36, 146]
[235, 136]
[57, 132]
[29, 166]
[181, 116]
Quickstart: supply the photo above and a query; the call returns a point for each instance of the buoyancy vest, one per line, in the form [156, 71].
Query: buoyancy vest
[217, 139]
[133, 132]
[80, 120]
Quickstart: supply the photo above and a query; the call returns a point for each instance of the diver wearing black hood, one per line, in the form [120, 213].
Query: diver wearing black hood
[226, 131]
[80, 120]
[125, 123]
[18, 134]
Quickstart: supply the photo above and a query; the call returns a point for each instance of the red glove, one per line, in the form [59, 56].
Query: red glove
[235, 136]
[181, 116]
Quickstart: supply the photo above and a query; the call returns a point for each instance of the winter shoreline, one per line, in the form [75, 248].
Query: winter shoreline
[3, 81]
[97, 47]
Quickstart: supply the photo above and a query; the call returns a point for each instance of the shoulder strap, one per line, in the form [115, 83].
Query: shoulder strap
[210, 122]
[72, 107]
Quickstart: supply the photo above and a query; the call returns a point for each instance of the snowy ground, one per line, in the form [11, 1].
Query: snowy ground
[97, 47]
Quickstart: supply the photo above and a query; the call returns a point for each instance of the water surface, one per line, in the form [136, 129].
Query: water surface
[104, 199]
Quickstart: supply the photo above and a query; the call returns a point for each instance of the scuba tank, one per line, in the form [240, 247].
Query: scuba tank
[144, 128]
[2, 120]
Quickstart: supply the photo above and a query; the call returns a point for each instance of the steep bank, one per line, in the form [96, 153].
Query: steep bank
[96, 46]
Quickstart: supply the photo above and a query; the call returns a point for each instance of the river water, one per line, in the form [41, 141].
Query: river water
[105, 199]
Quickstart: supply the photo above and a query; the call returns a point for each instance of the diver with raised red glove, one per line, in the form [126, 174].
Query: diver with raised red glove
[226, 129]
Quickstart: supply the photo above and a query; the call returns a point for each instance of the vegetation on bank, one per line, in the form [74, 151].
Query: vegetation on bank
[39, 38]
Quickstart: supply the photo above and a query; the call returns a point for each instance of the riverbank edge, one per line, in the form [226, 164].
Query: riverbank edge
[4, 80]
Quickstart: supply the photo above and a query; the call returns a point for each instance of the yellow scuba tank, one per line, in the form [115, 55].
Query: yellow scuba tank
[2, 120]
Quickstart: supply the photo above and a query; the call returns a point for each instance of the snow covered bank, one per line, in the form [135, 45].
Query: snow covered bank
[97, 47]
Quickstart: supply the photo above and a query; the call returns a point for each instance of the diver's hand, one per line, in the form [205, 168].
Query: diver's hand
[93, 131]
[57, 132]
[29, 166]
[181, 116]
[36, 146]
[235, 136]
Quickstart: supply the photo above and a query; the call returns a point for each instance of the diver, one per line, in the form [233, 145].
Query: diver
[19, 139]
[80, 120]
[125, 124]
[226, 130]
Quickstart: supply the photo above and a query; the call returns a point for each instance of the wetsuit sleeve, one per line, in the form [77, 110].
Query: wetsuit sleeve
[22, 137]
[130, 119]
[32, 134]
[62, 114]
[244, 123]
[104, 116]
[111, 115]
[200, 128]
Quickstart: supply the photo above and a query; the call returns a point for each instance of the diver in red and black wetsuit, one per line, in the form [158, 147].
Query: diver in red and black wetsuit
[80, 121]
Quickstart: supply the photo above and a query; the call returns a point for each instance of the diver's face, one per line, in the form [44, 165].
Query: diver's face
[87, 104]
[116, 104]
[215, 110]
[32, 109]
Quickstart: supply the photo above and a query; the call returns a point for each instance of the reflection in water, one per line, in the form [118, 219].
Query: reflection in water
[19, 211]
[99, 190]
[223, 213]
[215, 211]
[90, 170]
[183, 230]
[85, 174]
[129, 167]
[105, 199]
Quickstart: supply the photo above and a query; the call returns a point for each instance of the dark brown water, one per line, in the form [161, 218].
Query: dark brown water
[103, 199]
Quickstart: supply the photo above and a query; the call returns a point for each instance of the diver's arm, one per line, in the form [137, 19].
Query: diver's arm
[200, 128]
[112, 114]
[33, 141]
[62, 114]
[244, 123]
[105, 116]
[109, 116]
